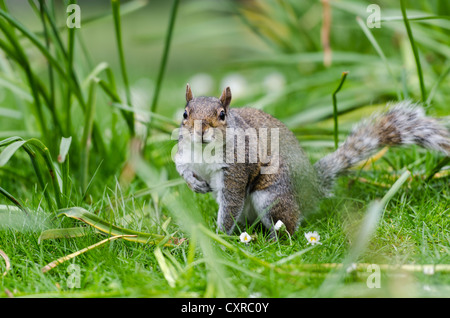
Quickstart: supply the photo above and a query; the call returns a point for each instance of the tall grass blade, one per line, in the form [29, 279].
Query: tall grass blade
[434, 89]
[86, 140]
[380, 52]
[415, 51]
[108, 228]
[335, 110]
[165, 55]
[61, 260]
[118, 31]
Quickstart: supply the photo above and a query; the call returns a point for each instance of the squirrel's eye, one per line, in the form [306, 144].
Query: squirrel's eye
[185, 115]
[222, 115]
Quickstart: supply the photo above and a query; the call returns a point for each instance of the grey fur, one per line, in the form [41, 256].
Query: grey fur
[403, 123]
[296, 187]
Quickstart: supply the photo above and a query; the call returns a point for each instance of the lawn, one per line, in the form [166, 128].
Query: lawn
[92, 205]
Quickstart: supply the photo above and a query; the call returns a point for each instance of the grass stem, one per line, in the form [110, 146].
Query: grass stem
[163, 64]
[415, 51]
[118, 30]
[335, 110]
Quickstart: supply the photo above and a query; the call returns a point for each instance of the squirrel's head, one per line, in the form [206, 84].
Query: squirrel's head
[204, 117]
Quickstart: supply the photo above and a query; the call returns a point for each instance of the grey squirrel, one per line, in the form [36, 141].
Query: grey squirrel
[276, 181]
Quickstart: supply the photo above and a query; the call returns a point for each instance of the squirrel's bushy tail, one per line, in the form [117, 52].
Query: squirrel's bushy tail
[401, 124]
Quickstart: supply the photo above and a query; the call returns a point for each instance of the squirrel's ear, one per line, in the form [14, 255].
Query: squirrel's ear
[225, 98]
[189, 95]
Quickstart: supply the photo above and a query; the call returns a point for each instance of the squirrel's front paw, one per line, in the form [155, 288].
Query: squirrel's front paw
[197, 184]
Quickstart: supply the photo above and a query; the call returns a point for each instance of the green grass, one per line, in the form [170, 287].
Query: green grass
[101, 76]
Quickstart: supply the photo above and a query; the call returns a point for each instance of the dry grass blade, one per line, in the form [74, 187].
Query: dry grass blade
[368, 163]
[108, 228]
[7, 261]
[428, 269]
[61, 260]
[325, 32]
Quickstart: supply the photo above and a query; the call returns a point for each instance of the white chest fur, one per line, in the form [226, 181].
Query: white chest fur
[193, 157]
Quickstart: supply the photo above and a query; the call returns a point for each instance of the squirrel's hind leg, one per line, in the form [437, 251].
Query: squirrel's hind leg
[273, 206]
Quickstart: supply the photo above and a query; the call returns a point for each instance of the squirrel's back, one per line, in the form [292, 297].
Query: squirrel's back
[290, 151]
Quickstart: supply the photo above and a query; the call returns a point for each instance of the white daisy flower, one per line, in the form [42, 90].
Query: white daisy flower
[351, 268]
[245, 237]
[279, 226]
[313, 238]
[428, 269]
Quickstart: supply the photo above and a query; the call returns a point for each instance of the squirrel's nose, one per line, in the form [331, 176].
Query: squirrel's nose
[202, 130]
[205, 127]
[201, 127]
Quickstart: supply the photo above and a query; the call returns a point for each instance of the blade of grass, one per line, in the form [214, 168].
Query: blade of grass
[115, 4]
[335, 110]
[64, 149]
[61, 260]
[108, 228]
[29, 146]
[7, 262]
[419, 18]
[63, 159]
[438, 167]
[86, 140]
[9, 151]
[49, 66]
[111, 91]
[62, 233]
[434, 89]
[23, 61]
[70, 59]
[126, 8]
[380, 52]
[162, 65]
[162, 118]
[45, 153]
[34, 39]
[325, 33]
[86, 191]
[415, 51]
[13, 200]
[16, 88]
[169, 272]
